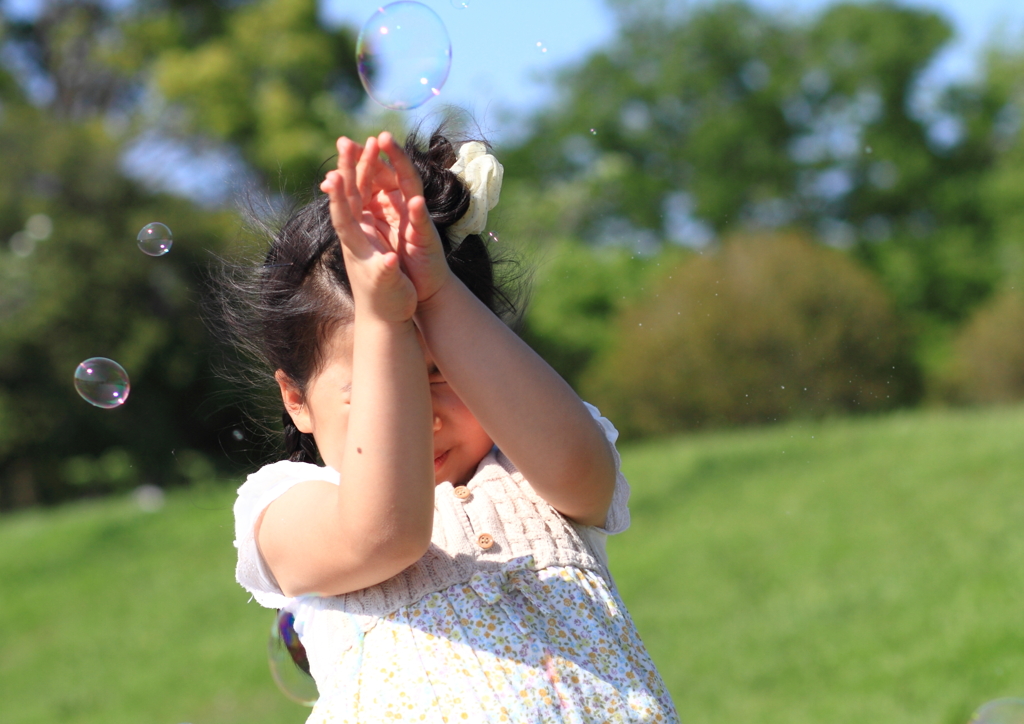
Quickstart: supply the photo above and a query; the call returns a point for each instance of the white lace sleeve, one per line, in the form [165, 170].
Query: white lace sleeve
[618, 512]
[259, 490]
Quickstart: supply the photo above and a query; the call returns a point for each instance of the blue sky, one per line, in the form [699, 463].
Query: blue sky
[498, 66]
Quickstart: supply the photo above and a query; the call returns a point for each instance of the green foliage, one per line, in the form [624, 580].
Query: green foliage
[276, 84]
[841, 571]
[731, 116]
[264, 77]
[763, 329]
[1002, 190]
[578, 292]
[74, 285]
[988, 358]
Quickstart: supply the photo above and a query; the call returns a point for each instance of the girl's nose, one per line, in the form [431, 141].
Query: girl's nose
[437, 423]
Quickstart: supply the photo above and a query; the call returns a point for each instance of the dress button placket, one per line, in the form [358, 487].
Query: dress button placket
[485, 540]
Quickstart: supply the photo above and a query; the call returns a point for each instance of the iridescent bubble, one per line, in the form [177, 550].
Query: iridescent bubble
[593, 131]
[403, 54]
[102, 382]
[1000, 711]
[288, 662]
[155, 239]
[238, 435]
[493, 236]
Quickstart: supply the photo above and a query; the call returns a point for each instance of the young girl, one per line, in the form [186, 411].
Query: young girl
[447, 563]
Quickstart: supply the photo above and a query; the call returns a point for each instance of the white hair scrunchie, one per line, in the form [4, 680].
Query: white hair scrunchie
[482, 174]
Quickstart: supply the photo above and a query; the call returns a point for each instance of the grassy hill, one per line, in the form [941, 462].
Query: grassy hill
[838, 571]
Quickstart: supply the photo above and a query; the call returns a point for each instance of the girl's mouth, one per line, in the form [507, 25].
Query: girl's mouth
[439, 461]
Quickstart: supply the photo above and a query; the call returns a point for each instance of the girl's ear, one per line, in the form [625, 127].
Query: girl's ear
[294, 402]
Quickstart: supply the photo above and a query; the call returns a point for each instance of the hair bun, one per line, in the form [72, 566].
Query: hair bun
[446, 196]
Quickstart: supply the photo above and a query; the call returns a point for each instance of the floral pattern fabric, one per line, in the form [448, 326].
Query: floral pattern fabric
[512, 645]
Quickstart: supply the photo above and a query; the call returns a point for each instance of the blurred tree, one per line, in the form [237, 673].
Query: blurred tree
[79, 81]
[73, 285]
[762, 329]
[704, 118]
[1003, 189]
[988, 355]
[275, 83]
[577, 295]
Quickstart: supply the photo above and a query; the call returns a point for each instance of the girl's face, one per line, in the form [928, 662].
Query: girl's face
[460, 442]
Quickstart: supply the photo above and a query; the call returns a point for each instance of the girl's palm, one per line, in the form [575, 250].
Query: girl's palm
[371, 260]
[402, 216]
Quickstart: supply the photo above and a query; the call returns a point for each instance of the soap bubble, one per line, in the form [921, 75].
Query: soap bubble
[1000, 711]
[292, 678]
[22, 245]
[39, 227]
[238, 435]
[155, 239]
[404, 55]
[102, 382]
[149, 498]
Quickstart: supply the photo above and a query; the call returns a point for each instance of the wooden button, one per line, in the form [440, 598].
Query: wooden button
[462, 492]
[485, 541]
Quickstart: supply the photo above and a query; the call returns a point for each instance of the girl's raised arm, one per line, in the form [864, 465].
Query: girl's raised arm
[529, 411]
[369, 410]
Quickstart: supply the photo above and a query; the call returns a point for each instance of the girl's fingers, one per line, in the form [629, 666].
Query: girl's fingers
[366, 170]
[419, 217]
[345, 224]
[405, 173]
[348, 155]
[386, 178]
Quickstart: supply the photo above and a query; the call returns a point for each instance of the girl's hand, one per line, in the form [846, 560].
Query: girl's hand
[401, 213]
[379, 285]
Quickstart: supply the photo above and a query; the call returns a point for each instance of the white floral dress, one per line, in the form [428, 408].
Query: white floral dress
[509, 633]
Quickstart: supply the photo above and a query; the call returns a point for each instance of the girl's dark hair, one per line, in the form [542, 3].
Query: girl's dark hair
[280, 313]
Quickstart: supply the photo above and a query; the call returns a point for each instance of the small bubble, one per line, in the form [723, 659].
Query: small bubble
[39, 227]
[237, 434]
[460, 4]
[102, 382]
[403, 55]
[868, 149]
[593, 131]
[22, 245]
[493, 236]
[149, 498]
[155, 239]
[289, 664]
[1000, 711]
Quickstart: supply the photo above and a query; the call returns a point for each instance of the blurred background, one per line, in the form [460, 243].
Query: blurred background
[780, 245]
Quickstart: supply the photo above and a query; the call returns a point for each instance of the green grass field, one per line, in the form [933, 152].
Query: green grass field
[867, 570]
